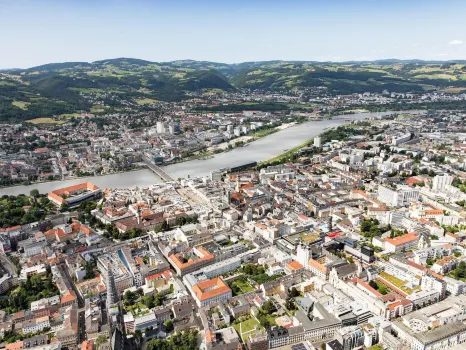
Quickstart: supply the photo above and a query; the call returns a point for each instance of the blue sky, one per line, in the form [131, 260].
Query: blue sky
[36, 32]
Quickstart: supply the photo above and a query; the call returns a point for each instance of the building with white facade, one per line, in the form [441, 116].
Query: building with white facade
[400, 197]
[441, 181]
[439, 326]
[317, 141]
[36, 324]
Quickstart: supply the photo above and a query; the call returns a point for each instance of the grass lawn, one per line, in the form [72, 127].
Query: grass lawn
[245, 286]
[137, 309]
[45, 121]
[288, 153]
[265, 132]
[85, 90]
[21, 104]
[382, 288]
[69, 115]
[247, 327]
[6, 83]
[454, 90]
[393, 280]
[271, 319]
[213, 91]
[105, 74]
[145, 101]
[436, 76]
[97, 109]
[398, 283]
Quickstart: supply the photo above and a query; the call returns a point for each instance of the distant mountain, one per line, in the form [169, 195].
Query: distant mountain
[123, 61]
[68, 87]
[58, 66]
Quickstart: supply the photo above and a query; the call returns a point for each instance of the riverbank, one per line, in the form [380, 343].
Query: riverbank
[129, 179]
[69, 179]
[289, 154]
[262, 149]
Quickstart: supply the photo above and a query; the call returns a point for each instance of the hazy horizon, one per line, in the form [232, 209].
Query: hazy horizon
[50, 31]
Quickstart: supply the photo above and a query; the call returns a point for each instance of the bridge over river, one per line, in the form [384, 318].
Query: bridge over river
[156, 169]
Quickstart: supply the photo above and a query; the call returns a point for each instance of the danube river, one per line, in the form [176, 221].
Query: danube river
[262, 149]
[143, 178]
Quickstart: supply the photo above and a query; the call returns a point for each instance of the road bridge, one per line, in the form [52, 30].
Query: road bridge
[156, 169]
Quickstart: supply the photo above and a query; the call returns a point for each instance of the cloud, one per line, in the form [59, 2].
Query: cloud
[456, 42]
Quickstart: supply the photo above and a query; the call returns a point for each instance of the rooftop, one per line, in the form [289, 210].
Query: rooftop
[210, 288]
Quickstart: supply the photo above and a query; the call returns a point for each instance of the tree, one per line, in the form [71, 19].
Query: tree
[366, 226]
[268, 307]
[168, 326]
[100, 340]
[64, 207]
[138, 337]
[374, 231]
[34, 193]
[460, 271]
[294, 292]
[130, 296]
[289, 304]
[186, 340]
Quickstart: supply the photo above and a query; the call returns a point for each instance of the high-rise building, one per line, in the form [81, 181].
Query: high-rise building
[303, 254]
[317, 141]
[160, 127]
[441, 181]
[112, 294]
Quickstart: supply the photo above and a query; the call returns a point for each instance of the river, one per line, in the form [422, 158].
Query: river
[262, 149]
[142, 178]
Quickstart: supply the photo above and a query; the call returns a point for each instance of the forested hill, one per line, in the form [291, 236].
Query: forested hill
[71, 87]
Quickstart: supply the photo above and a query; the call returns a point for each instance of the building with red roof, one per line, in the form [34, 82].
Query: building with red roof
[211, 291]
[73, 195]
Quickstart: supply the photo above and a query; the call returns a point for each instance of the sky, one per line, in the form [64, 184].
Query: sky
[34, 32]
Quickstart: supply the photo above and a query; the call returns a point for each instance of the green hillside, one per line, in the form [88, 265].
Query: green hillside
[70, 87]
